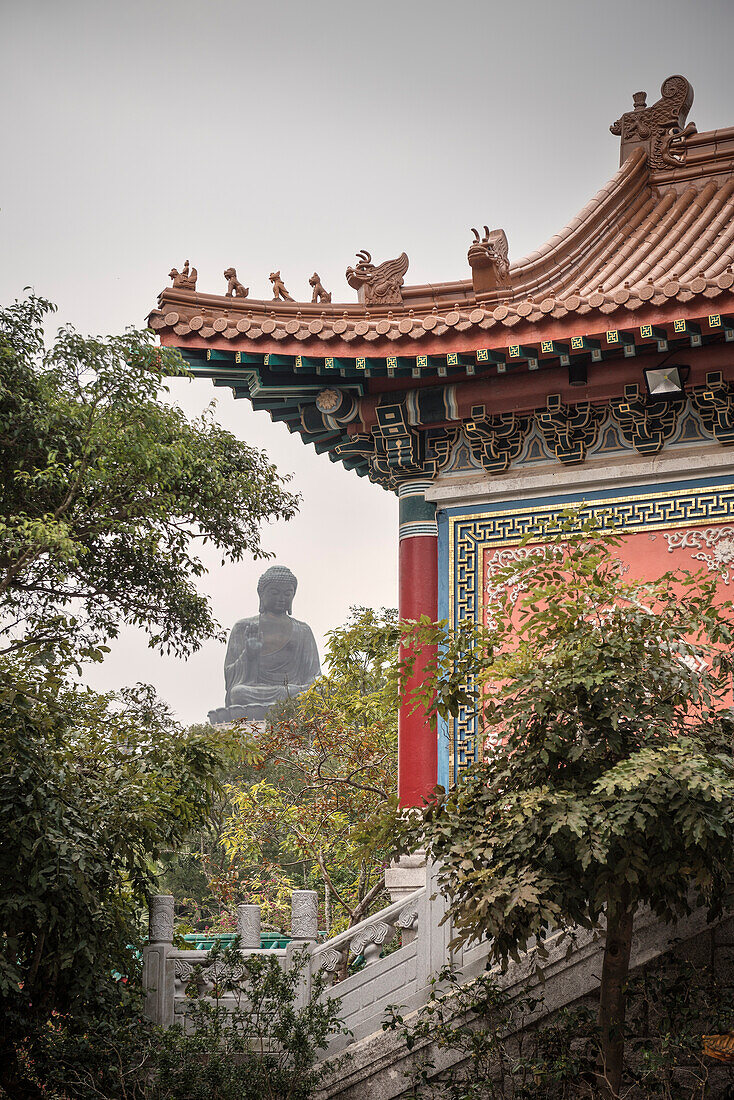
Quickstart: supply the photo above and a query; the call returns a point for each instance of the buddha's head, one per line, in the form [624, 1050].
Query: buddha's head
[276, 589]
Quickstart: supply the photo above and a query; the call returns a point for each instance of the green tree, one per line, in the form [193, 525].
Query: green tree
[92, 788]
[106, 490]
[607, 780]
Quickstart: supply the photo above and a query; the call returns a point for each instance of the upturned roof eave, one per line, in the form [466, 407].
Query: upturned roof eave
[499, 337]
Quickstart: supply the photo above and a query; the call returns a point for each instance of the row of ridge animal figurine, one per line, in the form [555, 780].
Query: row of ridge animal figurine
[185, 279]
[379, 284]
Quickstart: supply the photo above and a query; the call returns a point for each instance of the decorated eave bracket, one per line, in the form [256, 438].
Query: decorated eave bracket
[715, 404]
[322, 403]
[645, 424]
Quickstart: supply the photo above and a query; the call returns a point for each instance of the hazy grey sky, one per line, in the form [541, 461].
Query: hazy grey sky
[289, 135]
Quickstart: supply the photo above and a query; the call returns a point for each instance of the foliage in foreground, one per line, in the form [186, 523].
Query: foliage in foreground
[500, 1053]
[92, 788]
[253, 1039]
[105, 493]
[608, 778]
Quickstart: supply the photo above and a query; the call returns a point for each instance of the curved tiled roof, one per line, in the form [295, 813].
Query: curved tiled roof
[645, 238]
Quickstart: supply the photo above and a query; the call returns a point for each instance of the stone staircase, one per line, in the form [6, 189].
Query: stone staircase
[378, 1062]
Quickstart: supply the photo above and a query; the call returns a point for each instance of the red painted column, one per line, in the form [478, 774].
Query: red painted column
[418, 595]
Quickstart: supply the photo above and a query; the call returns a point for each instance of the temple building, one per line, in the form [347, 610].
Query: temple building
[597, 370]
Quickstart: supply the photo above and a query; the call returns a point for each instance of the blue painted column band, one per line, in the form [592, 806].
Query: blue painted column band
[417, 516]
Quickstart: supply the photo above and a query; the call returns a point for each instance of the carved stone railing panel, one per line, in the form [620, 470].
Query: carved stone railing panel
[370, 936]
[408, 915]
[371, 940]
[330, 959]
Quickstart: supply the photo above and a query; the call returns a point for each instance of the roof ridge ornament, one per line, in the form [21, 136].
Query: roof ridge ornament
[378, 285]
[661, 129]
[279, 290]
[489, 260]
[235, 289]
[184, 279]
[319, 294]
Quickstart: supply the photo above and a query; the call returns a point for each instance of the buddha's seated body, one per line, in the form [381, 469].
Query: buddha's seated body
[270, 656]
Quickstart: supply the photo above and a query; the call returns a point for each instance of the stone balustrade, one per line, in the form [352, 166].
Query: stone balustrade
[399, 951]
[391, 955]
[167, 971]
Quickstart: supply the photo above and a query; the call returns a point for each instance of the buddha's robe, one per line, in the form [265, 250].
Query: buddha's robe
[265, 678]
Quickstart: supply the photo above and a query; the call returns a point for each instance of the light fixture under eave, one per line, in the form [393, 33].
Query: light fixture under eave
[667, 381]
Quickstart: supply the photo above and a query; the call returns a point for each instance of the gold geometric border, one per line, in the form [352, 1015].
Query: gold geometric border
[470, 537]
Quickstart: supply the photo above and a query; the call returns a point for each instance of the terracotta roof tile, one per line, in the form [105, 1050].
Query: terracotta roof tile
[644, 237]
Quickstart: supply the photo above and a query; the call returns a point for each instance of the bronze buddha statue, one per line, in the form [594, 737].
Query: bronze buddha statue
[270, 656]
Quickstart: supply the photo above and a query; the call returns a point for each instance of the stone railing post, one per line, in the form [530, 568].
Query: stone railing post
[435, 952]
[248, 926]
[157, 983]
[160, 919]
[304, 915]
[304, 933]
[403, 877]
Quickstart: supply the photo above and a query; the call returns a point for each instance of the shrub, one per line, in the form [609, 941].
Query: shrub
[265, 1048]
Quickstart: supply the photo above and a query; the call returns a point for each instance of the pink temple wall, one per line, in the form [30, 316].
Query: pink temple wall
[649, 554]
